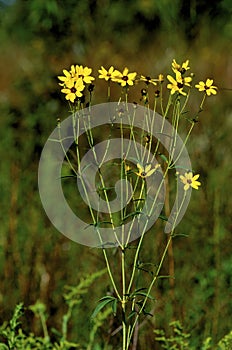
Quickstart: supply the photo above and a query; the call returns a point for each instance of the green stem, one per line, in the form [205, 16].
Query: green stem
[149, 290]
[163, 123]
[183, 146]
[44, 325]
[155, 277]
[110, 274]
[93, 218]
[123, 301]
[142, 236]
[108, 91]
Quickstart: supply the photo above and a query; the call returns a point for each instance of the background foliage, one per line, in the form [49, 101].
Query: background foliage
[39, 39]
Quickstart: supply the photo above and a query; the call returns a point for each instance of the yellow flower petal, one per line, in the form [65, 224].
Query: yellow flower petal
[147, 168]
[209, 82]
[195, 177]
[140, 167]
[171, 79]
[150, 172]
[125, 71]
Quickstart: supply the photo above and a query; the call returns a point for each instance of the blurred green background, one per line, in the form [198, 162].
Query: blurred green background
[38, 40]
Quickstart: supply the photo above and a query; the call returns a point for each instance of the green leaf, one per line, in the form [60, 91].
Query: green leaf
[144, 294]
[180, 235]
[139, 292]
[107, 297]
[102, 245]
[162, 156]
[114, 306]
[132, 313]
[104, 301]
[146, 313]
[165, 276]
[67, 176]
[3, 346]
[131, 214]
[163, 217]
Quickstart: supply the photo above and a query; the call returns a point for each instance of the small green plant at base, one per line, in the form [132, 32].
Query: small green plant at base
[226, 342]
[12, 335]
[179, 340]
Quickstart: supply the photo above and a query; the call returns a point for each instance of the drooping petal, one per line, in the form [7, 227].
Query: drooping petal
[147, 168]
[150, 172]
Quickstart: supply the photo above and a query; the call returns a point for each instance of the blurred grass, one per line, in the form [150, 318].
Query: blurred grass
[38, 40]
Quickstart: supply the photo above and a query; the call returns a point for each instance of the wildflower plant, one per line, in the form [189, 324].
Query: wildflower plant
[121, 180]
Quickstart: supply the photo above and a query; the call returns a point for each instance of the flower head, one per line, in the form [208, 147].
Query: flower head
[160, 78]
[66, 78]
[190, 181]
[207, 86]
[148, 80]
[184, 80]
[76, 73]
[176, 85]
[180, 68]
[146, 171]
[173, 85]
[83, 73]
[73, 90]
[125, 78]
[107, 75]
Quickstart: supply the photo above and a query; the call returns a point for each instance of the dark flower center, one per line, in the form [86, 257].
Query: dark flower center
[189, 181]
[125, 78]
[148, 80]
[73, 90]
[180, 85]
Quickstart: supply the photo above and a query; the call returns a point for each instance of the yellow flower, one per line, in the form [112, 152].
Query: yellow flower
[73, 90]
[125, 78]
[107, 75]
[180, 68]
[160, 78]
[66, 78]
[76, 73]
[190, 181]
[183, 80]
[208, 87]
[176, 85]
[83, 73]
[148, 80]
[146, 171]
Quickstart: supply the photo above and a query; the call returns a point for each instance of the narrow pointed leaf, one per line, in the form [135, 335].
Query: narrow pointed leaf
[100, 306]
